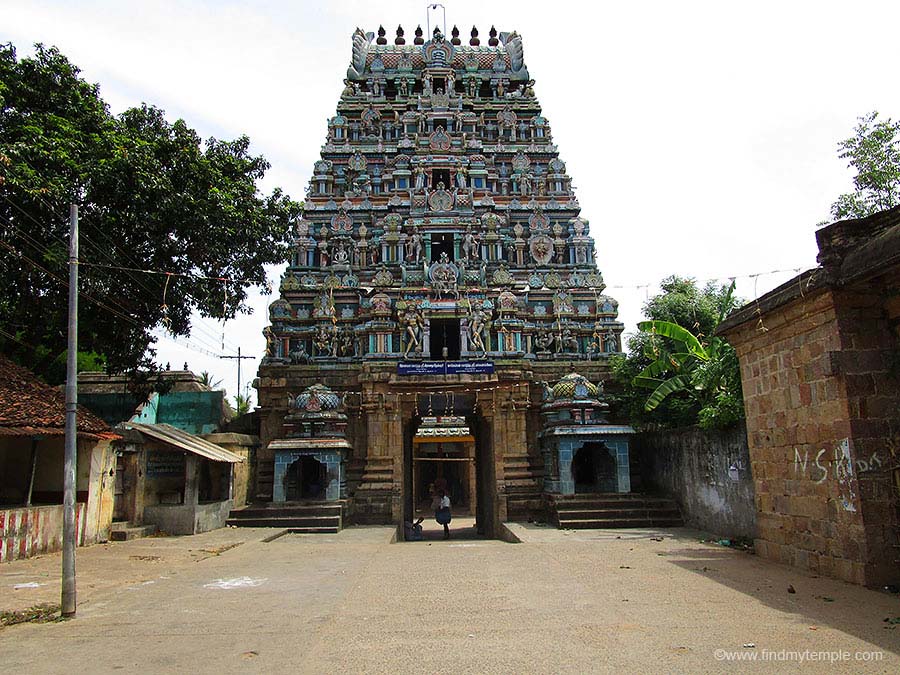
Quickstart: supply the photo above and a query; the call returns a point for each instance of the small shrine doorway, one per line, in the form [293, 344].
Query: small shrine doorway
[594, 469]
[305, 479]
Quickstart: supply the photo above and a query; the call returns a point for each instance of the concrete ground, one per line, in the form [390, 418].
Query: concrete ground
[560, 601]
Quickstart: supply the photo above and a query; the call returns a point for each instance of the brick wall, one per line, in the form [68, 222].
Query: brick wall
[820, 404]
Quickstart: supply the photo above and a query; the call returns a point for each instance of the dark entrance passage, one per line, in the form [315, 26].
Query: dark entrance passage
[594, 469]
[454, 464]
[444, 333]
[442, 243]
[306, 478]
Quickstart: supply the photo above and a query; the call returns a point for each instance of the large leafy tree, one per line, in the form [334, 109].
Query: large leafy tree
[874, 153]
[152, 195]
[676, 372]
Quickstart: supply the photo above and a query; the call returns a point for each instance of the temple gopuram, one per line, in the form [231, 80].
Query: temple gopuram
[443, 282]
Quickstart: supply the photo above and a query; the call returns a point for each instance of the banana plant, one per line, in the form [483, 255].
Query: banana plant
[691, 365]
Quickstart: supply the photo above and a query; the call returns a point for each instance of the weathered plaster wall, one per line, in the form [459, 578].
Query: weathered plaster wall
[101, 495]
[246, 446]
[188, 518]
[706, 472]
[31, 530]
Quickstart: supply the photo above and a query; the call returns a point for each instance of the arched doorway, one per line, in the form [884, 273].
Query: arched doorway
[594, 469]
[305, 478]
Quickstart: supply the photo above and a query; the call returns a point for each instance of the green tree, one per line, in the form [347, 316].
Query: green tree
[694, 376]
[873, 152]
[207, 380]
[152, 196]
[241, 404]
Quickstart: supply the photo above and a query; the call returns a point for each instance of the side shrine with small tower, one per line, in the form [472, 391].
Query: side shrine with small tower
[442, 318]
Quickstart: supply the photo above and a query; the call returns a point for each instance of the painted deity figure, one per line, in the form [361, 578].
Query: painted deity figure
[525, 184]
[413, 323]
[340, 255]
[444, 278]
[478, 324]
[325, 340]
[270, 341]
[570, 342]
[420, 178]
[610, 342]
[544, 341]
[414, 246]
[461, 174]
[347, 345]
[470, 245]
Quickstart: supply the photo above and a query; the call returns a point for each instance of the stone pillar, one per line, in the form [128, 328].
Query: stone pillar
[623, 471]
[191, 479]
[508, 430]
[281, 464]
[379, 496]
[566, 479]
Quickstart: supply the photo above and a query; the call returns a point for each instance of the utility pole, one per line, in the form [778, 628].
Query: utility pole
[68, 552]
[239, 359]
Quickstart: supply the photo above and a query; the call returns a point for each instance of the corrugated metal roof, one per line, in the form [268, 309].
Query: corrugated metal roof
[182, 439]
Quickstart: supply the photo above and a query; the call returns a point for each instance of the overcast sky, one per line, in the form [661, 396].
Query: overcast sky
[701, 136]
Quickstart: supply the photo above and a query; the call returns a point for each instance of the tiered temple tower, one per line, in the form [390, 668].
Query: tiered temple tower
[441, 267]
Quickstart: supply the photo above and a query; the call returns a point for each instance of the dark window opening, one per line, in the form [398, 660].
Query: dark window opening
[442, 243]
[440, 124]
[438, 84]
[485, 91]
[444, 334]
[390, 90]
[440, 176]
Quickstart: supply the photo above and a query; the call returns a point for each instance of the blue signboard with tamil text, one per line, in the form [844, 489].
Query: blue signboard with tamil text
[445, 368]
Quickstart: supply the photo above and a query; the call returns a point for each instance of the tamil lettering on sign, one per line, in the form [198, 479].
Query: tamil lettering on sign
[445, 368]
[165, 464]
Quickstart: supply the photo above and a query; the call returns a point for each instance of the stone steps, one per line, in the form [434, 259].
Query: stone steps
[125, 531]
[599, 511]
[315, 517]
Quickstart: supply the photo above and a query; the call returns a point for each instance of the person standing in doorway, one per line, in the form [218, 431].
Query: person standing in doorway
[442, 513]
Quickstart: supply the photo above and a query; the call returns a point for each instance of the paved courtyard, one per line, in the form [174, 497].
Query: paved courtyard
[583, 601]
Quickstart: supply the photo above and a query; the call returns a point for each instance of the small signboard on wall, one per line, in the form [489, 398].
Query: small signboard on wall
[445, 368]
[165, 464]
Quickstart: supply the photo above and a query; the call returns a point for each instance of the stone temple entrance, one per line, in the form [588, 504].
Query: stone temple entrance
[447, 466]
[444, 452]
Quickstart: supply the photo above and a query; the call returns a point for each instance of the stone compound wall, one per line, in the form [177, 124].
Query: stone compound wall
[821, 405]
[706, 472]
